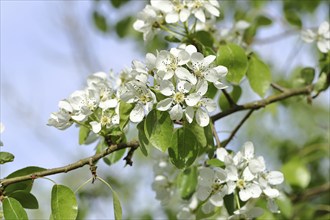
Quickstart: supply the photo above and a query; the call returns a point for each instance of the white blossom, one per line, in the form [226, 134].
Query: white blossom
[322, 36]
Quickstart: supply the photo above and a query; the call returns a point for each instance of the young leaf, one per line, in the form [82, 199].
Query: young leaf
[116, 202]
[24, 185]
[6, 157]
[83, 134]
[184, 148]
[124, 110]
[100, 21]
[26, 199]
[158, 128]
[259, 75]
[229, 202]
[13, 210]
[215, 163]
[63, 203]
[296, 173]
[204, 37]
[124, 26]
[307, 74]
[234, 58]
[187, 182]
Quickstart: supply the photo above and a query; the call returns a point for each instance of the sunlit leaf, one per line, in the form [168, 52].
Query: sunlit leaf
[114, 157]
[259, 75]
[296, 173]
[83, 134]
[6, 157]
[143, 140]
[183, 148]
[235, 94]
[234, 58]
[100, 21]
[63, 203]
[187, 182]
[13, 210]
[158, 128]
[124, 110]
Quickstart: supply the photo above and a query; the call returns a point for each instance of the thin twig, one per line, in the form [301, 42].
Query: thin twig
[215, 135]
[278, 87]
[311, 193]
[129, 156]
[233, 133]
[229, 98]
[264, 102]
[73, 166]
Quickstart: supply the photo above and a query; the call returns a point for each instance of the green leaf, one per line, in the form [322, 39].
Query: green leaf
[215, 163]
[296, 173]
[63, 203]
[307, 74]
[184, 148]
[293, 18]
[124, 110]
[117, 206]
[229, 202]
[100, 21]
[263, 20]
[114, 157]
[285, 206]
[27, 200]
[118, 3]
[259, 75]
[158, 128]
[211, 91]
[235, 94]
[24, 185]
[6, 157]
[187, 182]
[83, 134]
[124, 26]
[204, 37]
[234, 58]
[143, 140]
[13, 210]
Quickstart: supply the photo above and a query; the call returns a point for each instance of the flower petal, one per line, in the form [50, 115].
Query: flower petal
[137, 113]
[165, 104]
[96, 126]
[176, 112]
[193, 99]
[184, 74]
[275, 177]
[189, 114]
[202, 117]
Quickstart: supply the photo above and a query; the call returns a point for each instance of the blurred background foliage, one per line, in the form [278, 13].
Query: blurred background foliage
[293, 135]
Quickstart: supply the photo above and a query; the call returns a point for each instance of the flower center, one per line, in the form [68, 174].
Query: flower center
[105, 120]
[145, 99]
[240, 183]
[178, 97]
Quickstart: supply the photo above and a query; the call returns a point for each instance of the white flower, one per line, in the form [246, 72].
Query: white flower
[162, 188]
[107, 119]
[199, 105]
[148, 22]
[168, 63]
[199, 7]
[269, 179]
[61, 119]
[174, 10]
[176, 98]
[322, 36]
[144, 99]
[248, 211]
[212, 185]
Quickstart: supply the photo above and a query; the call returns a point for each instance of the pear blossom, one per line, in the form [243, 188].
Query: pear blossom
[322, 36]
[201, 9]
[107, 119]
[174, 10]
[148, 22]
[248, 211]
[211, 185]
[61, 119]
[139, 94]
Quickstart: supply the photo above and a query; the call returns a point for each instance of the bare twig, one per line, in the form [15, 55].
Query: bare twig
[73, 166]
[215, 135]
[264, 102]
[229, 98]
[129, 156]
[233, 133]
[278, 87]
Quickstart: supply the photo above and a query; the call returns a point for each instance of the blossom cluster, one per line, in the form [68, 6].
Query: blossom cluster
[321, 36]
[180, 76]
[161, 12]
[243, 174]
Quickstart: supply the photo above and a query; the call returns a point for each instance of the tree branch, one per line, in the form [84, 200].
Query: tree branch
[73, 166]
[233, 133]
[311, 193]
[264, 102]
